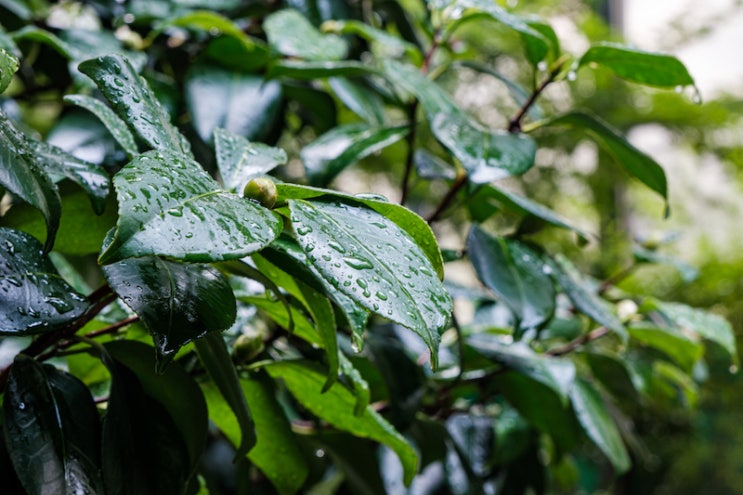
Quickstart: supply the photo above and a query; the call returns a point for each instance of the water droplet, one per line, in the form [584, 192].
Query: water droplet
[21, 406]
[14, 281]
[9, 247]
[319, 453]
[425, 271]
[679, 89]
[118, 82]
[362, 283]
[175, 212]
[542, 66]
[572, 76]
[337, 247]
[381, 295]
[303, 229]
[189, 235]
[547, 270]
[60, 305]
[358, 263]
[733, 369]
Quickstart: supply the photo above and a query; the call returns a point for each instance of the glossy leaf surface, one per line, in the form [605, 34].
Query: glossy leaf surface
[8, 66]
[113, 123]
[304, 70]
[177, 302]
[169, 206]
[358, 99]
[239, 160]
[374, 262]
[35, 299]
[292, 35]
[670, 341]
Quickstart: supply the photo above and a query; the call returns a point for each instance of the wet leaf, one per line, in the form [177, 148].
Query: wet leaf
[517, 274]
[361, 101]
[305, 381]
[113, 123]
[299, 69]
[391, 45]
[52, 429]
[670, 341]
[169, 206]
[292, 35]
[239, 160]
[134, 102]
[8, 67]
[177, 302]
[35, 299]
[371, 260]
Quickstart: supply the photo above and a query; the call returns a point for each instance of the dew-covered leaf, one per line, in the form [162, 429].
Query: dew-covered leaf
[336, 406]
[33, 297]
[292, 35]
[8, 67]
[517, 274]
[134, 102]
[169, 206]
[177, 302]
[371, 260]
[239, 160]
[113, 123]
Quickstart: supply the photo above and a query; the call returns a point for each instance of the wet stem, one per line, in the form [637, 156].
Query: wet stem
[514, 125]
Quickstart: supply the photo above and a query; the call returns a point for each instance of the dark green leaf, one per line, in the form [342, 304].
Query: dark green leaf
[305, 381]
[535, 46]
[20, 175]
[516, 273]
[216, 360]
[243, 104]
[291, 34]
[670, 341]
[360, 100]
[134, 102]
[512, 435]
[8, 67]
[612, 371]
[342, 146]
[113, 123]
[34, 299]
[239, 160]
[177, 302]
[298, 69]
[653, 69]
[51, 429]
[371, 260]
[33, 33]
[598, 424]
[392, 45]
[635, 162]
[169, 206]
[234, 53]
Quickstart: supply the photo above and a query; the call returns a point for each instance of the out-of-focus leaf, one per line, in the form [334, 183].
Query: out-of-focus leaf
[292, 35]
[669, 341]
[113, 123]
[428, 166]
[243, 104]
[342, 146]
[81, 134]
[177, 302]
[299, 69]
[364, 103]
[305, 381]
[675, 383]
[35, 299]
[598, 424]
[643, 255]
[517, 275]
[392, 46]
[613, 374]
[169, 206]
[234, 53]
[239, 160]
[8, 67]
[52, 429]
[535, 46]
[653, 69]
[511, 435]
[20, 174]
[33, 33]
[134, 102]
[374, 262]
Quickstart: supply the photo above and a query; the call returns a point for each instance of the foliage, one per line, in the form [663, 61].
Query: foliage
[291, 326]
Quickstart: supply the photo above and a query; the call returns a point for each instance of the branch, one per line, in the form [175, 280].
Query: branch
[582, 340]
[410, 139]
[459, 181]
[616, 278]
[514, 125]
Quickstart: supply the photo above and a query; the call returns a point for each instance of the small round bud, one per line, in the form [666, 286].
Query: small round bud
[247, 346]
[263, 190]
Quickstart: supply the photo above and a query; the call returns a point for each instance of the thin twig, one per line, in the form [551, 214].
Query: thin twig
[409, 160]
[428, 57]
[616, 278]
[458, 183]
[514, 125]
[576, 343]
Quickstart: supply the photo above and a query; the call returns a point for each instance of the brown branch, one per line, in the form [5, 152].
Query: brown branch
[514, 125]
[410, 140]
[616, 278]
[580, 341]
[458, 183]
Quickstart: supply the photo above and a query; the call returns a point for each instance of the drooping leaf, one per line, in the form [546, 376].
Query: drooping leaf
[374, 262]
[90, 43]
[305, 381]
[20, 175]
[516, 274]
[113, 123]
[134, 102]
[8, 66]
[342, 146]
[239, 160]
[670, 341]
[292, 35]
[33, 33]
[177, 302]
[535, 46]
[52, 429]
[169, 206]
[81, 134]
[35, 299]
[299, 69]
[613, 373]
[633, 161]
[688, 272]
[653, 69]
[598, 424]
[243, 104]
[429, 166]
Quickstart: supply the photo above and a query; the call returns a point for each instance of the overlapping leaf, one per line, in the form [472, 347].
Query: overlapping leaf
[113, 123]
[291, 34]
[239, 160]
[8, 67]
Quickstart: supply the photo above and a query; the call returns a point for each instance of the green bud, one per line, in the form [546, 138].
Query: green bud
[247, 346]
[263, 190]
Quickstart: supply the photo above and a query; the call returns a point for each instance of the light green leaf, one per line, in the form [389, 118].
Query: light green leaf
[292, 35]
[670, 341]
[305, 381]
[392, 46]
[8, 66]
[113, 123]
[169, 206]
[239, 160]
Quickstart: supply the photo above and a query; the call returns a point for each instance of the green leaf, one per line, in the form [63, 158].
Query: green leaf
[299, 324]
[51, 429]
[331, 153]
[33, 33]
[585, 298]
[35, 299]
[243, 104]
[236, 54]
[305, 381]
[113, 123]
[535, 46]
[177, 302]
[8, 66]
[518, 275]
[360, 100]
[169, 206]
[299, 69]
[558, 374]
[611, 370]
[653, 69]
[174, 389]
[20, 175]
[216, 360]
[410, 222]
[374, 262]
[598, 424]
[276, 451]
[392, 45]
[134, 102]
[688, 272]
[239, 160]
[636, 163]
[670, 341]
[292, 35]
